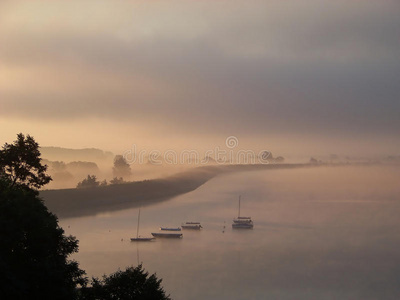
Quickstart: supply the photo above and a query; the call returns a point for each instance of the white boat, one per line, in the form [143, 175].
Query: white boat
[242, 222]
[192, 225]
[139, 238]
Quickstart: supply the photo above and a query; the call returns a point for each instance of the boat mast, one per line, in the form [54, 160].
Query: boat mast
[239, 207]
[138, 221]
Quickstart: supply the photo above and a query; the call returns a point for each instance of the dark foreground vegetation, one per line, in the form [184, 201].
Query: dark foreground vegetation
[34, 251]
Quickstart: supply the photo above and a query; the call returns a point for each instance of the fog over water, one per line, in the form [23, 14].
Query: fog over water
[320, 233]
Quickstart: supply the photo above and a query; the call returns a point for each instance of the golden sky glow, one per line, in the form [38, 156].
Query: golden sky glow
[298, 77]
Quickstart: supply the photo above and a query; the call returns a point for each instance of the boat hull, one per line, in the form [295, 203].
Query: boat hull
[242, 222]
[192, 227]
[170, 229]
[167, 235]
[140, 239]
[242, 226]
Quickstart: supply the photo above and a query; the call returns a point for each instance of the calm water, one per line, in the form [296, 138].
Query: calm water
[319, 234]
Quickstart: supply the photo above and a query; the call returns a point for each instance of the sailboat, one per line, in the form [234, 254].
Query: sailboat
[242, 222]
[139, 238]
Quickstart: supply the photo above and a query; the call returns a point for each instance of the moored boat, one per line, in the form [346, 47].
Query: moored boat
[170, 229]
[242, 225]
[192, 225]
[142, 239]
[139, 238]
[167, 235]
[242, 222]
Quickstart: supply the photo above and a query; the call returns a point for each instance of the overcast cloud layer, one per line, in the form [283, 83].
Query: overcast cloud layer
[293, 68]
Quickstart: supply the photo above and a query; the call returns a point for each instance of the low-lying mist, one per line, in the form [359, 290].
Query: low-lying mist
[320, 232]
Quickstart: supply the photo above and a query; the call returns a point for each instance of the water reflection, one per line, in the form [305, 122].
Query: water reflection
[318, 234]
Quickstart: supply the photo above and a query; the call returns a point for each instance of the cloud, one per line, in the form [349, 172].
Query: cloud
[319, 67]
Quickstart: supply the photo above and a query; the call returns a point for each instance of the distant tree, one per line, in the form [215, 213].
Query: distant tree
[20, 162]
[34, 250]
[313, 160]
[133, 283]
[117, 180]
[89, 182]
[121, 167]
[103, 183]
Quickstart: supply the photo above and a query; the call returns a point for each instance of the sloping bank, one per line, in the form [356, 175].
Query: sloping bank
[66, 203]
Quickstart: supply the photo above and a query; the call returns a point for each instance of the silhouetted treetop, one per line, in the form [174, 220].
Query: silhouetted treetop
[88, 182]
[131, 284]
[121, 167]
[34, 250]
[20, 162]
[117, 180]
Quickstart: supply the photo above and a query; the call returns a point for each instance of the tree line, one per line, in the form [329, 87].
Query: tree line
[121, 169]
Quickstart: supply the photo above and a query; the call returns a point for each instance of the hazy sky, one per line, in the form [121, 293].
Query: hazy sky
[291, 76]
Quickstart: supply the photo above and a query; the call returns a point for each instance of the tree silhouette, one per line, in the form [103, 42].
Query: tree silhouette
[88, 182]
[20, 162]
[121, 167]
[117, 180]
[34, 250]
[133, 283]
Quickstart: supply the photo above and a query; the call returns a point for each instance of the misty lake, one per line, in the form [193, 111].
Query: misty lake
[319, 233]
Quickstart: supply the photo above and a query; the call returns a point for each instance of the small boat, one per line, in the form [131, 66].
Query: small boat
[170, 229]
[242, 222]
[139, 238]
[192, 225]
[167, 235]
[142, 239]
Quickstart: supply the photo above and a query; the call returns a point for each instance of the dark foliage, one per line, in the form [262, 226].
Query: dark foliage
[89, 182]
[133, 283]
[34, 250]
[20, 162]
[117, 180]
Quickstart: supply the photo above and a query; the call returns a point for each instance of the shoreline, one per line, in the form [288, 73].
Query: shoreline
[70, 203]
